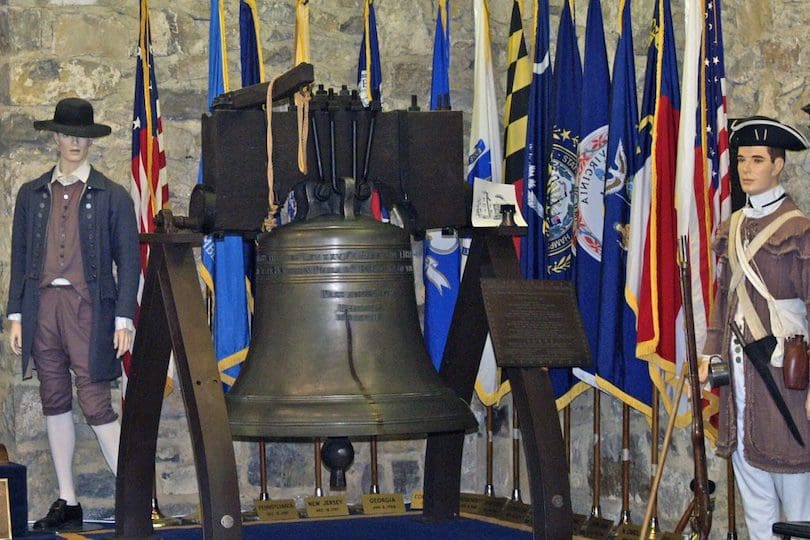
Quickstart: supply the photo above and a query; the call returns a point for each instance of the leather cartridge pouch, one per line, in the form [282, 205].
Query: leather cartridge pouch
[795, 369]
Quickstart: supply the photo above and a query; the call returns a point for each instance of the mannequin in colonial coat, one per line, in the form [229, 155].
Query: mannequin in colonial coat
[766, 243]
[71, 313]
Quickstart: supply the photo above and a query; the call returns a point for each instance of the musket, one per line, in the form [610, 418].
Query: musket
[702, 521]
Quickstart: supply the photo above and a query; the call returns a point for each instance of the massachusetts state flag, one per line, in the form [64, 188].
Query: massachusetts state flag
[484, 163]
[150, 186]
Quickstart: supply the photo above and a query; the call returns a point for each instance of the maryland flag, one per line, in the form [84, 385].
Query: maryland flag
[150, 186]
[516, 110]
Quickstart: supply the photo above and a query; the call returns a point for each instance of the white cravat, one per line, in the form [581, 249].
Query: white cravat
[763, 204]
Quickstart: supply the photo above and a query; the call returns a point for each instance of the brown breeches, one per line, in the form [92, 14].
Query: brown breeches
[61, 345]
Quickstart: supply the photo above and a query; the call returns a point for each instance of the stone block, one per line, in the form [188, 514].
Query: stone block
[12, 18]
[84, 33]
[45, 81]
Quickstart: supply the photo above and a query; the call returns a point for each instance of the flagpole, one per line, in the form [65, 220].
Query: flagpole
[318, 472]
[263, 495]
[375, 487]
[624, 517]
[596, 511]
[516, 496]
[489, 488]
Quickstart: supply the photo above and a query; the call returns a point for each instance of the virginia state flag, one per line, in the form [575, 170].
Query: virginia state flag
[484, 163]
[619, 372]
[369, 72]
[538, 150]
[442, 252]
[224, 258]
[590, 179]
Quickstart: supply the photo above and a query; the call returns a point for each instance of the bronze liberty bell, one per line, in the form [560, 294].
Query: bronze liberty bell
[336, 348]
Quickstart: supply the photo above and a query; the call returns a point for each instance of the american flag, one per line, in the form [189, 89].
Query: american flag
[150, 188]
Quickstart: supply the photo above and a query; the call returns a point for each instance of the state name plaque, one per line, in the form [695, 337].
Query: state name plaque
[535, 323]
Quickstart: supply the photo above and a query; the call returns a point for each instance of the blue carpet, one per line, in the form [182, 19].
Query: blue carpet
[396, 527]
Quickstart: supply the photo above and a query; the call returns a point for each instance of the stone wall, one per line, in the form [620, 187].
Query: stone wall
[56, 48]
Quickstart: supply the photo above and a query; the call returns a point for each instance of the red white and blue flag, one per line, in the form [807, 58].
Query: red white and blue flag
[150, 186]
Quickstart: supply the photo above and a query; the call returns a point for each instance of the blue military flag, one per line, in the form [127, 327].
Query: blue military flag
[369, 72]
[618, 370]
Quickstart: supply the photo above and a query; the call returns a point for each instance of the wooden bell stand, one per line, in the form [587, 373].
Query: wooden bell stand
[172, 318]
[492, 260]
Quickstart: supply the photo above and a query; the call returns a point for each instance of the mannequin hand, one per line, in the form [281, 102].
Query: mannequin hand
[15, 337]
[122, 341]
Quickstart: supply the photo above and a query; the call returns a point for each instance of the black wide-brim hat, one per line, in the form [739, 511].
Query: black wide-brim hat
[764, 131]
[74, 116]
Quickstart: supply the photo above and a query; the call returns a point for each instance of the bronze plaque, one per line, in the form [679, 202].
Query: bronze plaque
[535, 323]
[517, 512]
[383, 503]
[596, 527]
[471, 503]
[328, 506]
[277, 510]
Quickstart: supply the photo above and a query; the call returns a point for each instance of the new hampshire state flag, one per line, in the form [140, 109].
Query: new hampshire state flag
[559, 191]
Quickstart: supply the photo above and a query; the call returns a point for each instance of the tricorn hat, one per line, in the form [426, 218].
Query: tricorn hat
[74, 116]
[764, 131]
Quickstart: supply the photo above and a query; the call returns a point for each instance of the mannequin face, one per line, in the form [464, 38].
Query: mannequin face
[758, 173]
[72, 151]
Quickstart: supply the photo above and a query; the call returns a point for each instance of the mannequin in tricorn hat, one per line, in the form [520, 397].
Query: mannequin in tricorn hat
[764, 289]
[71, 314]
